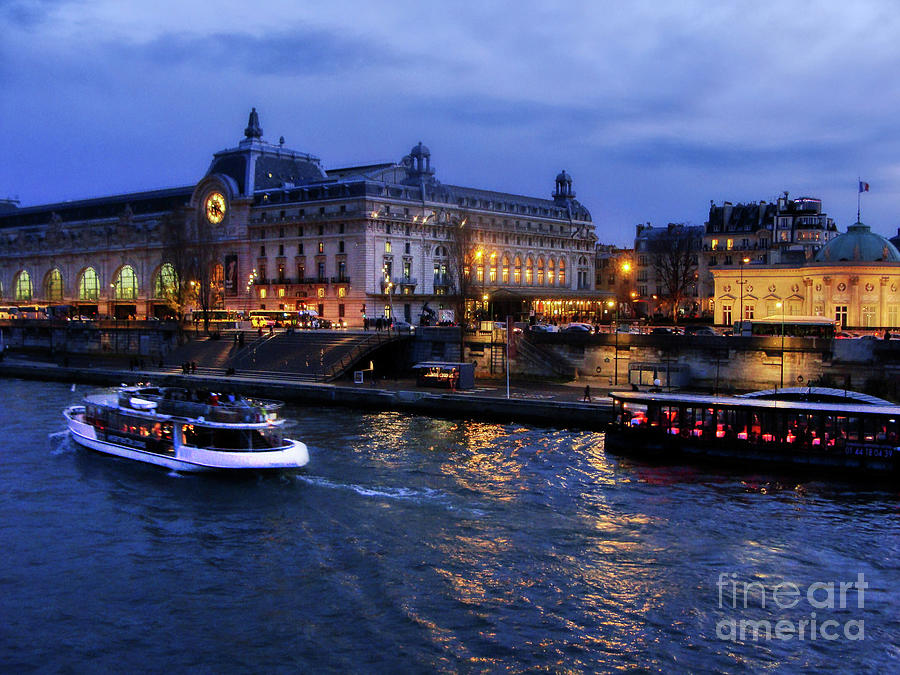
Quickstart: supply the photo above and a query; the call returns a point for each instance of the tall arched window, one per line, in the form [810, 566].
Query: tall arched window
[505, 270]
[551, 272]
[562, 272]
[529, 271]
[53, 285]
[165, 282]
[492, 274]
[518, 271]
[125, 286]
[540, 277]
[89, 285]
[22, 288]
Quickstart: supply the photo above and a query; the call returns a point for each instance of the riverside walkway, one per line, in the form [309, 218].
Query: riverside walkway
[555, 405]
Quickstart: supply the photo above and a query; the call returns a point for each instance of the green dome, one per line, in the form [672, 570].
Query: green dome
[858, 244]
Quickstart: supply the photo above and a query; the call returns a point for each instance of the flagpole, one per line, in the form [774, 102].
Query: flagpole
[858, 193]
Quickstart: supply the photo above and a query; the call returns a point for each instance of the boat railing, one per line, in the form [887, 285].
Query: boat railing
[243, 410]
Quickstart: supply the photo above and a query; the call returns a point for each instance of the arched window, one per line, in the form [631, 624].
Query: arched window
[165, 283]
[518, 271]
[89, 285]
[540, 277]
[53, 285]
[551, 273]
[505, 270]
[562, 272]
[125, 286]
[22, 288]
[493, 270]
[529, 271]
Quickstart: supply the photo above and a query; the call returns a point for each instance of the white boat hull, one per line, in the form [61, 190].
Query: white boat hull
[189, 458]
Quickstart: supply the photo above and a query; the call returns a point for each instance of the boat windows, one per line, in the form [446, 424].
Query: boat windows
[803, 429]
[232, 439]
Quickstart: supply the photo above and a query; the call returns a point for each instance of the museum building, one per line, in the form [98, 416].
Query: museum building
[279, 231]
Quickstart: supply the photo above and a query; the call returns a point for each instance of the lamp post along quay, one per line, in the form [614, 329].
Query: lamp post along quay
[744, 261]
[615, 340]
[781, 305]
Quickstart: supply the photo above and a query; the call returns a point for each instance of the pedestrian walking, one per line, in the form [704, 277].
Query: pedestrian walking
[587, 393]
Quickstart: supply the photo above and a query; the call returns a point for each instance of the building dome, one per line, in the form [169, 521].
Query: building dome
[859, 244]
[563, 177]
[420, 151]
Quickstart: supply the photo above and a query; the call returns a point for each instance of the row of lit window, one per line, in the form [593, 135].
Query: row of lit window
[124, 285]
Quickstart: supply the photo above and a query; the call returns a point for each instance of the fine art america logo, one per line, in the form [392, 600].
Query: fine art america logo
[818, 612]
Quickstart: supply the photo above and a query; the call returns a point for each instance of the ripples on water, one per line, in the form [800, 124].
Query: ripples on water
[417, 544]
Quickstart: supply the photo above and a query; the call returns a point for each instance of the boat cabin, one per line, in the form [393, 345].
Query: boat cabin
[844, 428]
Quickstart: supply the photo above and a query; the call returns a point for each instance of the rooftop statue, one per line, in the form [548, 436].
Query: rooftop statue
[253, 130]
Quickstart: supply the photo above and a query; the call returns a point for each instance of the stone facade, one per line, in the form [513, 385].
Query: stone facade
[282, 232]
[855, 279]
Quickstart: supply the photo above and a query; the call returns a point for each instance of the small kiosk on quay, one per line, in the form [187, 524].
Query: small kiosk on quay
[445, 375]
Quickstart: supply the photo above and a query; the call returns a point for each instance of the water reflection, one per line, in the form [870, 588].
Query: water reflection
[416, 544]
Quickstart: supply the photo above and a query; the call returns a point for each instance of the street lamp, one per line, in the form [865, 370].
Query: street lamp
[251, 281]
[484, 302]
[744, 261]
[781, 305]
[616, 339]
[388, 284]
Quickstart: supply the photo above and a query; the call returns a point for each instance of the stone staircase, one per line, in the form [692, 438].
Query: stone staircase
[543, 360]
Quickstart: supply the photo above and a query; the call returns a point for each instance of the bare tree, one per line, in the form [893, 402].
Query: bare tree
[179, 248]
[674, 253]
[461, 260]
[208, 271]
[190, 248]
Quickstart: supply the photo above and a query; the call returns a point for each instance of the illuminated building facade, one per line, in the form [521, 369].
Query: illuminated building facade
[282, 232]
[854, 278]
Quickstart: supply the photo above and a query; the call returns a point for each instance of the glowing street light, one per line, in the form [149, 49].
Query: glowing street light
[744, 261]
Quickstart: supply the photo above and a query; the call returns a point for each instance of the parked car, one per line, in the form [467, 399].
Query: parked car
[701, 331]
[631, 330]
[662, 330]
[544, 328]
[402, 326]
[578, 328]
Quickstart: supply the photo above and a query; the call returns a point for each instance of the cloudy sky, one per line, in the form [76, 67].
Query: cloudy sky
[654, 107]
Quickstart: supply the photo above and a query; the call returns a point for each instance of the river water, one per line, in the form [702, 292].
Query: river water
[413, 544]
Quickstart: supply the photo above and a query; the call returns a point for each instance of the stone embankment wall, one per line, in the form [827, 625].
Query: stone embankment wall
[722, 363]
[97, 337]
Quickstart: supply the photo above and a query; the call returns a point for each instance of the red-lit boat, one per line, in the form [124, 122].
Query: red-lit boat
[756, 432]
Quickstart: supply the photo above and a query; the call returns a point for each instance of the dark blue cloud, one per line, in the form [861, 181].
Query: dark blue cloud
[27, 14]
[298, 51]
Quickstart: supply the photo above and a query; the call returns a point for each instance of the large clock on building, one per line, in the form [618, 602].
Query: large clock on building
[215, 207]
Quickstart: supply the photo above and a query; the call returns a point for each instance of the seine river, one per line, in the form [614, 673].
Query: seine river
[413, 544]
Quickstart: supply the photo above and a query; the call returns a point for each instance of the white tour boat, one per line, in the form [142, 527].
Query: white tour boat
[185, 430]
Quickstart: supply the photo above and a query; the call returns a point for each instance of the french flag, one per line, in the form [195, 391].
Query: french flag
[863, 187]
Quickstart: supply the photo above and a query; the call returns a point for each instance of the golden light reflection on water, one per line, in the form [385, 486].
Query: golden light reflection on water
[596, 586]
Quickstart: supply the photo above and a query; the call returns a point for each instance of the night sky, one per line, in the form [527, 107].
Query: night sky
[655, 108]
